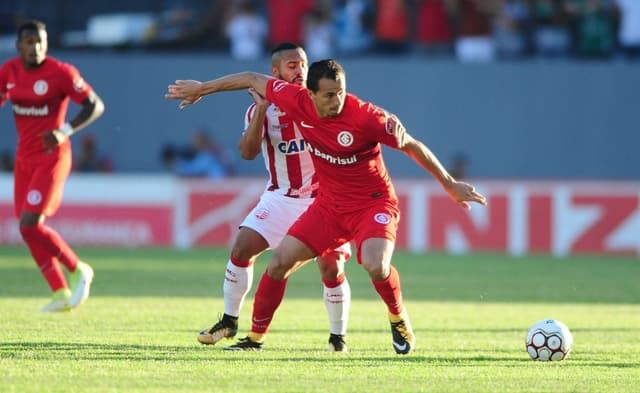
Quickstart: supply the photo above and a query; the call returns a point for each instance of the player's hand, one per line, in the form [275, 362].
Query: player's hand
[258, 99]
[52, 139]
[462, 193]
[186, 90]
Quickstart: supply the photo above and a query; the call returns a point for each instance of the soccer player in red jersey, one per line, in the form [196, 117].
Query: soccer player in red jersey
[291, 188]
[39, 88]
[356, 200]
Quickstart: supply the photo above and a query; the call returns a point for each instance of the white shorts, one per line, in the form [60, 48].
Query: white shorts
[275, 213]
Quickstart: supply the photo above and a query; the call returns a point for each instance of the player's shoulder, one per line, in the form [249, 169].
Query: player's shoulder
[361, 108]
[60, 65]
[12, 63]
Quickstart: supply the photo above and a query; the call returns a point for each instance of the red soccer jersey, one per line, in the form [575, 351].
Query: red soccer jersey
[345, 149]
[39, 99]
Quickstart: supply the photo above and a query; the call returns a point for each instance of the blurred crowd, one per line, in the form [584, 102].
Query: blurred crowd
[467, 30]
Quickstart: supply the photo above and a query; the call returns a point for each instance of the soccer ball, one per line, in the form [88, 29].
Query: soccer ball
[549, 339]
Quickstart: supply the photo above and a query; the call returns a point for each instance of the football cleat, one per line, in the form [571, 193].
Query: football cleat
[59, 302]
[80, 281]
[337, 343]
[245, 344]
[403, 337]
[226, 327]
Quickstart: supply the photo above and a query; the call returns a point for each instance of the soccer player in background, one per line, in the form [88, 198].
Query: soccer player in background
[39, 88]
[356, 200]
[291, 188]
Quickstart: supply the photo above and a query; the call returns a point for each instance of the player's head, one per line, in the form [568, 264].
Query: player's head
[32, 43]
[289, 63]
[327, 87]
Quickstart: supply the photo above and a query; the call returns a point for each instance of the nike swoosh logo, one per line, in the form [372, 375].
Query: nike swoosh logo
[305, 125]
[399, 347]
[10, 86]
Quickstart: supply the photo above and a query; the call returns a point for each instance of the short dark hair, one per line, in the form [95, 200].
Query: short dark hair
[284, 46]
[328, 69]
[31, 25]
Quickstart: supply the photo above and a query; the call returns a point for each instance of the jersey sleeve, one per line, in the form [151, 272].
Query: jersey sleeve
[285, 95]
[385, 127]
[74, 85]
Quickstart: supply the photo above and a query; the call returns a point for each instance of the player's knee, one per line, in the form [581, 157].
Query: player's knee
[377, 271]
[28, 219]
[280, 267]
[29, 231]
[329, 272]
[242, 254]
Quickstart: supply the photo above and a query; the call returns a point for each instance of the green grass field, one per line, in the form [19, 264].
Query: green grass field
[470, 314]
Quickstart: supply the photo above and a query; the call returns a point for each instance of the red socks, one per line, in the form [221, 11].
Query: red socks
[267, 299]
[45, 261]
[50, 241]
[47, 247]
[390, 292]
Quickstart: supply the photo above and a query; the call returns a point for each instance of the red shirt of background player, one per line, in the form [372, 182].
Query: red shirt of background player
[40, 98]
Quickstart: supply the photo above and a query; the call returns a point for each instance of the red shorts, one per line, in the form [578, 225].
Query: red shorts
[39, 181]
[322, 229]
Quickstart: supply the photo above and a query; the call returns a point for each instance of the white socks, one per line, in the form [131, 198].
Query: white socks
[337, 300]
[237, 283]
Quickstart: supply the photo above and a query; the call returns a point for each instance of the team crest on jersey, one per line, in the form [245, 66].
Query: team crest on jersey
[40, 87]
[78, 84]
[345, 138]
[34, 197]
[382, 218]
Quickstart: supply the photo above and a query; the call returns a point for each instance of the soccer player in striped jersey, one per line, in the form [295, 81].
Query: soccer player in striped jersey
[39, 87]
[291, 188]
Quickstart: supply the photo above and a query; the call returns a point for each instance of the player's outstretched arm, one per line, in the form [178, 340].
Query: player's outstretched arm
[462, 193]
[192, 91]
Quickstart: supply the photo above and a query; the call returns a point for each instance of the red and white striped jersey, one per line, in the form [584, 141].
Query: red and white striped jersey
[286, 155]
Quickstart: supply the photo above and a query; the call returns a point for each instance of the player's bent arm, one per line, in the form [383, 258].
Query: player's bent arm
[92, 108]
[251, 142]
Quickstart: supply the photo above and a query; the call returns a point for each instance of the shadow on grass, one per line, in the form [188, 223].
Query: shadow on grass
[45, 351]
[138, 352]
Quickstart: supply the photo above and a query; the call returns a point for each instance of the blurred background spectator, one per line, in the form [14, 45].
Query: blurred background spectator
[286, 20]
[203, 158]
[594, 27]
[392, 26]
[6, 161]
[353, 20]
[459, 166]
[89, 158]
[319, 32]
[511, 29]
[552, 37]
[247, 31]
[629, 27]
[467, 30]
[434, 33]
